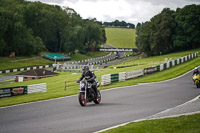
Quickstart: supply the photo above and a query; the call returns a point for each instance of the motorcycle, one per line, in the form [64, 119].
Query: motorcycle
[196, 79]
[87, 94]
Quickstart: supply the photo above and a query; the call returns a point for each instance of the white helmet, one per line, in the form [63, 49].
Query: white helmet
[196, 68]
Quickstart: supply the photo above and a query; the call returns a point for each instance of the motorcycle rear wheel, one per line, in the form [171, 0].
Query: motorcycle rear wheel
[98, 99]
[82, 99]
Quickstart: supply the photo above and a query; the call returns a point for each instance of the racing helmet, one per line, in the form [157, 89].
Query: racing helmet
[196, 69]
[85, 69]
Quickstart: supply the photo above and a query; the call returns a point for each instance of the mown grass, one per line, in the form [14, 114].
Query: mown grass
[121, 37]
[55, 85]
[182, 124]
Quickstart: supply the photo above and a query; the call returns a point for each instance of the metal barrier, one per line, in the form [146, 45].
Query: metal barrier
[37, 88]
[111, 78]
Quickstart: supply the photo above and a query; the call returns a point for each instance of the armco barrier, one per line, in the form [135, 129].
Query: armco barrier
[110, 78]
[122, 76]
[106, 79]
[175, 62]
[114, 78]
[37, 88]
[23, 69]
[134, 74]
[21, 90]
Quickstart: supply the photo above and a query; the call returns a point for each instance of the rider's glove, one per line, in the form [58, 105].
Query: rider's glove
[89, 80]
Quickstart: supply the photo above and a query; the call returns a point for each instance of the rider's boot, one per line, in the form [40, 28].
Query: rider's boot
[96, 92]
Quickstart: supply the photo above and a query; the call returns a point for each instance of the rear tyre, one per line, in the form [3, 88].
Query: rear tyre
[82, 99]
[98, 99]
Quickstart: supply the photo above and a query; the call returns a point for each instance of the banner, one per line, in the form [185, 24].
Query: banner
[113, 49]
[149, 70]
[13, 91]
[5, 92]
[134, 74]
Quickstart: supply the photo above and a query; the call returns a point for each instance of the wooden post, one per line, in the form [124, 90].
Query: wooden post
[65, 85]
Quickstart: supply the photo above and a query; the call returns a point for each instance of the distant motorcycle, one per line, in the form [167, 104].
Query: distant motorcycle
[196, 79]
[87, 94]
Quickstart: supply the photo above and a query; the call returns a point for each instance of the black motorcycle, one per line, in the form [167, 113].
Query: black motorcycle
[87, 94]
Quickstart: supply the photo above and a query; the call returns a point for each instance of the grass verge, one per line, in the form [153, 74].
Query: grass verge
[182, 124]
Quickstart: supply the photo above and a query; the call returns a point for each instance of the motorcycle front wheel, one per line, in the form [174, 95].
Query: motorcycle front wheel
[198, 85]
[98, 99]
[82, 99]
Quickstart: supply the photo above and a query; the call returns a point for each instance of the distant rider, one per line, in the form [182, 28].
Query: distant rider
[196, 71]
[90, 77]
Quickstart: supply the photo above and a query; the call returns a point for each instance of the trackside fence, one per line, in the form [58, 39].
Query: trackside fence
[118, 77]
[21, 90]
[37, 88]
[67, 66]
[26, 68]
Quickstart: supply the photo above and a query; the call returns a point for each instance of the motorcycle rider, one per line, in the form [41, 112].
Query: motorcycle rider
[196, 71]
[90, 77]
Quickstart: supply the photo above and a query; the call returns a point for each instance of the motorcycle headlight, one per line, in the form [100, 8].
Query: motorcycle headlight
[82, 85]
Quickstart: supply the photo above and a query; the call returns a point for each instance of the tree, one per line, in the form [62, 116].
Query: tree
[15, 36]
[94, 34]
[75, 40]
[162, 31]
[30, 27]
[4, 23]
[143, 35]
[187, 32]
[117, 23]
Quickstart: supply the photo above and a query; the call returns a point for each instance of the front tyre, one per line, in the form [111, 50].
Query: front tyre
[198, 85]
[82, 99]
[98, 99]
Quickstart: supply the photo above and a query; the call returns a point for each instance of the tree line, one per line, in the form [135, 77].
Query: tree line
[118, 23]
[28, 28]
[170, 31]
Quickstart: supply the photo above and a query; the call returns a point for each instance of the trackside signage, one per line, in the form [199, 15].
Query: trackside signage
[113, 49]
[13, 91]
[150, 70]
[116, 49]
[134, 74]
[5, 92]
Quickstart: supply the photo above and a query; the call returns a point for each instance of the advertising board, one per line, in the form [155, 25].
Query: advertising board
[13, 91]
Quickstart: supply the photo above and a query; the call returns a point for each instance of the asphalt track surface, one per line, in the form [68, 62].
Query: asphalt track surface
[119, 105]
